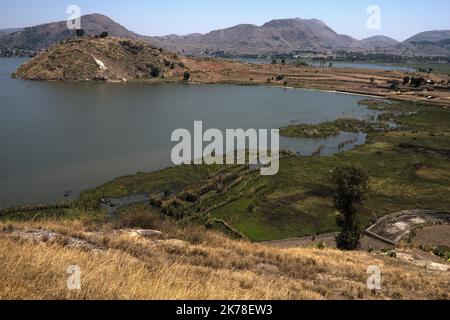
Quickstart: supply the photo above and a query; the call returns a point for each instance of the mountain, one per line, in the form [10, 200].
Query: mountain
[45, 35]
[282, 36]
[430, 36]
[378, 42]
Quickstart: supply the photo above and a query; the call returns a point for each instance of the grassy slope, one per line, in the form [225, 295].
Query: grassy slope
[203, 265]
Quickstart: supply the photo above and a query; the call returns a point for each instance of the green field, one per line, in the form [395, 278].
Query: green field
[409, 169]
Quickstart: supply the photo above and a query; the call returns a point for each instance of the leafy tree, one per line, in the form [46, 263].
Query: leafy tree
[274, 61]
[283, 61]
[79, 33]
[350, 185]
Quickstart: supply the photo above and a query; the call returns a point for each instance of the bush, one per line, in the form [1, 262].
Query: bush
[154, 72]
[443, 252]
[79, 32]
[417, 82]
[393, 84]
[136, 219]
[406, 80]
[321, 245]
[104, 34]
[280, 77]
[186, 76]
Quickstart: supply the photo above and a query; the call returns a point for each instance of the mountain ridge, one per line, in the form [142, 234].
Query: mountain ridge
[279, 36]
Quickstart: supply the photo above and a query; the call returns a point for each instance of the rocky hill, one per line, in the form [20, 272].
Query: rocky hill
[378, 42]
[46, 35]
[109, 59]
[430, 36]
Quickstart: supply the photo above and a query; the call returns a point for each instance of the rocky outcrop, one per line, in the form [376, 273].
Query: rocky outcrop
[109, 59]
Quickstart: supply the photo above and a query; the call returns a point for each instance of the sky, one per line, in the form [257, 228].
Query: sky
[399, 19]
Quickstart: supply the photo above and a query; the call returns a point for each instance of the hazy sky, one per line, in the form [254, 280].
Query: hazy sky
[400, 19]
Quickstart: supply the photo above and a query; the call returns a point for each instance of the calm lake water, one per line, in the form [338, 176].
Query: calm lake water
[57, 139]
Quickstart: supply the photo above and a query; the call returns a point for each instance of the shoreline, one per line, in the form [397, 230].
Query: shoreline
[249, 84]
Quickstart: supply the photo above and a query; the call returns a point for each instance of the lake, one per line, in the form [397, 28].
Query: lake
[57, 139]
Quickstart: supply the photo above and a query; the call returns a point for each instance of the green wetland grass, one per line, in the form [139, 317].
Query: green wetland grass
[409, 169]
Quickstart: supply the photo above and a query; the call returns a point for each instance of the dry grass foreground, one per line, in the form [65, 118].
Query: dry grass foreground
[192, 263]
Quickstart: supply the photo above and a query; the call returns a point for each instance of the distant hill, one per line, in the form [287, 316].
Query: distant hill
[430, 36]
[379, 42]
[281, 36]
[45, 35]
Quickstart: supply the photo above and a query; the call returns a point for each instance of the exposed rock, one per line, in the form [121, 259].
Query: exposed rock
[148, 234]
[48, 236]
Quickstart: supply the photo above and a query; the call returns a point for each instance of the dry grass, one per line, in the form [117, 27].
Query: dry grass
[199, 264]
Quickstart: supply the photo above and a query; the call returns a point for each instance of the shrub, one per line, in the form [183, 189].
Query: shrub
[406, 80]
[417, 82]
[154, 72]
[135, 219]
[280, 77]
[104, 34]
[79, 32]
[186, 76]
[443, 252]
[321, 245]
